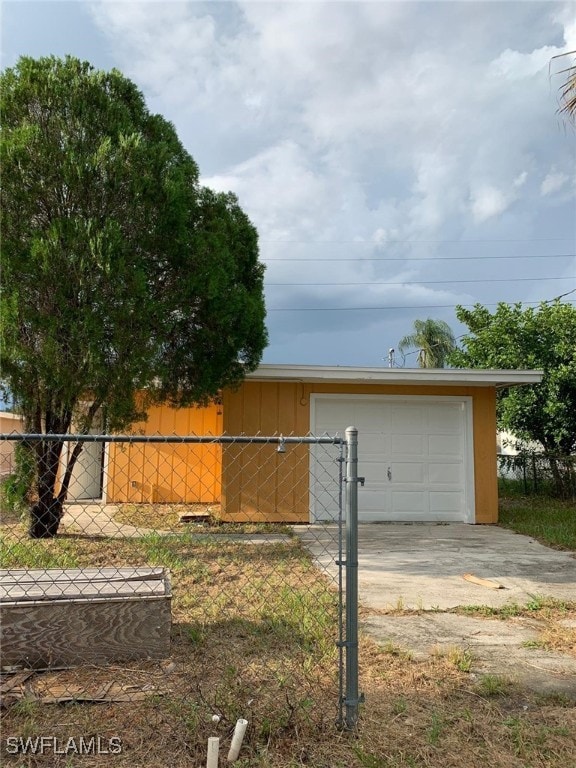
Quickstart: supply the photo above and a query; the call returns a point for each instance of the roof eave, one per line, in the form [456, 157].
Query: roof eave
[446, 377]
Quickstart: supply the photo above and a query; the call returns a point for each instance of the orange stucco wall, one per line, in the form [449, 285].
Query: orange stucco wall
[156, 472]
[252, 489]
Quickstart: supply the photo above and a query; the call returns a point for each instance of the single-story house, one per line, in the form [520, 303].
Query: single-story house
[427, 446]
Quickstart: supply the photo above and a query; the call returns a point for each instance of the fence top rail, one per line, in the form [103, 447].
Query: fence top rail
[524, 455]
[215, 439]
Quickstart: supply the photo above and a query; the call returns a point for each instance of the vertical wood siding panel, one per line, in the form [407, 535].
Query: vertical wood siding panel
[236, 404]
[273, 407]
[168, 473]
[270, 407]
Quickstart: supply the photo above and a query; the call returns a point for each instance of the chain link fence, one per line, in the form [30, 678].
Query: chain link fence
[538, 473]
[184, 582]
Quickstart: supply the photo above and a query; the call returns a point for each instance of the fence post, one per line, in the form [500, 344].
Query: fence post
[353, 698]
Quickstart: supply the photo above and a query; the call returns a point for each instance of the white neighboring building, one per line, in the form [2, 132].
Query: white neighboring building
[506, 444]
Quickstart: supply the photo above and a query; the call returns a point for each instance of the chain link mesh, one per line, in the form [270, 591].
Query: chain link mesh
[192, 577]
[538, 473]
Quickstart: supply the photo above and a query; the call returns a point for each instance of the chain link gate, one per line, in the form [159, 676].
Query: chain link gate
[242, 548]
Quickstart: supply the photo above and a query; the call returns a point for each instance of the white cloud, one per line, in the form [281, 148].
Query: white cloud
[514, 65]
[487, 201]
[280, 188]
[351, 130]
[553, 182]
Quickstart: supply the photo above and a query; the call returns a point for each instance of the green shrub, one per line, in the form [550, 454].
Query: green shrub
[17, 489]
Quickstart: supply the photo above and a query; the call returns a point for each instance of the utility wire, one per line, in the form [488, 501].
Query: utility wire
[375, 244]
[464, 335]
[410, 306]
[436, 282]
[425, 258]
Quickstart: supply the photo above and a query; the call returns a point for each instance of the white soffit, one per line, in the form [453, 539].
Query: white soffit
[445, 377]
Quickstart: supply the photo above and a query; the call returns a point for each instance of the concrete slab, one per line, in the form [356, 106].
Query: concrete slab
[97, 520]
[421, 566]
[495, 646]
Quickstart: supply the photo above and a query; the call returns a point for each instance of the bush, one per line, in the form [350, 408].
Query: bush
[17, 489]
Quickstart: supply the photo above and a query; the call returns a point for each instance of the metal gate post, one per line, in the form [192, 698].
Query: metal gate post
[353, 697]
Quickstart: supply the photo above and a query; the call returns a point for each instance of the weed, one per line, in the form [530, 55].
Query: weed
[192, 634]
[536, 604]
[188, 711]
[533, 644]
[369, 760]
[26, 707]
[436, 729]
[517, 733]
[395, 650]
[400, 706]
[467, 715]
[461, 658]
[493, 685]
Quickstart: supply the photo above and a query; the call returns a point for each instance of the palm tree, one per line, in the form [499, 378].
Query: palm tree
[434, 341]
[568, 89]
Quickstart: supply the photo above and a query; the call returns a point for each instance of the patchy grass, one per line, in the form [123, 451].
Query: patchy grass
[550, 521]
[553, 619]
[461, 658]
[254, 636]
[493, 685]
[166, 517]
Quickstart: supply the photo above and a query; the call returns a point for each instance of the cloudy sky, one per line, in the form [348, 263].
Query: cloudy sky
[397, 158]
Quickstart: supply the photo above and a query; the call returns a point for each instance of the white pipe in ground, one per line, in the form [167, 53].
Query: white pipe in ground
[213, 749]
[237, 739]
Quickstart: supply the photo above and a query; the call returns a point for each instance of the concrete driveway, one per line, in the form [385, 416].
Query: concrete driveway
[420, 567]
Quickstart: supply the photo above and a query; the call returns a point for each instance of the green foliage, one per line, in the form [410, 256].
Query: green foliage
[16, 489]
[434, 341]
[120, 273]
[541, 337]
[534, 473]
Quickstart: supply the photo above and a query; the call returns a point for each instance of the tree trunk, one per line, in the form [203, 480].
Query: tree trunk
[46, 514]
[560, 476]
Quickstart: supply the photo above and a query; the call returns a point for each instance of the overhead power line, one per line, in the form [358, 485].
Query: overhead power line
[425, 258]
[465, 335]
[412, 306]
[436, 282]
[375, 244]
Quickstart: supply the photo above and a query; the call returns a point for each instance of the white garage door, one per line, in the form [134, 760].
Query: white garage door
[415, 453]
